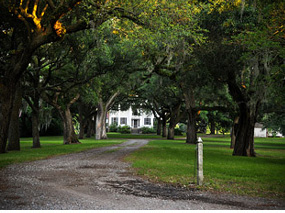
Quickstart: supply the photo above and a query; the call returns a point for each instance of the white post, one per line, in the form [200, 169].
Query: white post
[200, 175]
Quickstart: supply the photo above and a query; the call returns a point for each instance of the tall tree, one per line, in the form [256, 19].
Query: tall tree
[244, 54]
[14, 129]
[27, 25]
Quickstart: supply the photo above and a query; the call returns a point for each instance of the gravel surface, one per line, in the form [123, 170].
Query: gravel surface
[98, 179]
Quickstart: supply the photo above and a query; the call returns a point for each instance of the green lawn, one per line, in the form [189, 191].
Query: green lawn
[138, 136]
[173, 162]
[51, 146]
[133, 136]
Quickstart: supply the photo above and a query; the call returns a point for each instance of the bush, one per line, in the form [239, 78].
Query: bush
[113, 128]
[124, 129]
[147, 130]
[178, 131]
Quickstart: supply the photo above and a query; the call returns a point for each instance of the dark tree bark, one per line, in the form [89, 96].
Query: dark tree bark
[164, 128]
[7, 93]
[35, 106]
[90, 127]
[212, 123]
[69, 136]
[191, 134]
[212, 127]
[36, 126]
[82, 129]
[82, 121]
[175, 116]
[158, 130]
[244, 143]
[14, 129]
[191, 127]
[234, 132]
[170, 134]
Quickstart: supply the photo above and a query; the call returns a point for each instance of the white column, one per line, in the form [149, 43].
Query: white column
[130, 117]
[200, 175]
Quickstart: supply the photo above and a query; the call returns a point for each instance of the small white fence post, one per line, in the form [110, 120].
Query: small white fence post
[200, 175]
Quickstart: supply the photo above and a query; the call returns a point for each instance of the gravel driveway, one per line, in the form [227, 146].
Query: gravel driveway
[98, 179]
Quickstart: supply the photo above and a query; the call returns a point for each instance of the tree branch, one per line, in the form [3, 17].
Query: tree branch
[73, 100]
[111, 99]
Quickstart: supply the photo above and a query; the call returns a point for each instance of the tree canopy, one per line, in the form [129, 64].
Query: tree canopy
[180, 58]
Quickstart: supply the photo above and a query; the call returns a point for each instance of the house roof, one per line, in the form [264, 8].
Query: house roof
[258, 125]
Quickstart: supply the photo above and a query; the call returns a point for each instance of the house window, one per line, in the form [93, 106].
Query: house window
[114, 120]
[147, 121]
[123, 121]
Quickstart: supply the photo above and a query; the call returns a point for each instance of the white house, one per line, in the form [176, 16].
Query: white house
[263, 133]
[134, 119]
[259, 131]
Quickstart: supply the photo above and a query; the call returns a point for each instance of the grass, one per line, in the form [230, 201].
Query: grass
[51, 146]
[173, 162]
[136, 136]
[133, 136]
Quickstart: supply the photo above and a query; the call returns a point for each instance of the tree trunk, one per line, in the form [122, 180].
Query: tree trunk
[82, 121]
[7, 94]
[69, 136]
[104, 131]
[175, 116]
[158, 130]
[35, 119]
[248, 108]
[191, 127]
[82, 129]
[234, 132]
[164, 129]
[212, 123]
[213, 127]
[170, 135]
[103, 108]
[93, 126]
[90, 128]
[35, 127]
[14, 128]
[244, 143]
[191, 134]
[101, 122]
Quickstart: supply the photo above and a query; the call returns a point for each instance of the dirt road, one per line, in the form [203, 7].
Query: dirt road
[98, 179]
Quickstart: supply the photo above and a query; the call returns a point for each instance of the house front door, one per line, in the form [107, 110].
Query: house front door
[136, 123]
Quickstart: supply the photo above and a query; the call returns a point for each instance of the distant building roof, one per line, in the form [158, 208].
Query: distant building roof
[258, 125]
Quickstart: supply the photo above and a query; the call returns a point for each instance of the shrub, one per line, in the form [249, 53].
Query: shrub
[124, 129]
[178, 131]
[147, 130]
[113, 128]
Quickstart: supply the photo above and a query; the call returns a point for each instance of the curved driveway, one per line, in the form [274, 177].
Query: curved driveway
[98, 179]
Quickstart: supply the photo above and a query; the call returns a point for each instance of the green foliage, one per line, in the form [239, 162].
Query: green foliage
[113, 127]
[147, 130]
[275, 122]
[124, 129]
[174, 162]
[178, 131]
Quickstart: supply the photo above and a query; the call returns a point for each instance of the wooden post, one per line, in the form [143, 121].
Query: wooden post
[200, 175]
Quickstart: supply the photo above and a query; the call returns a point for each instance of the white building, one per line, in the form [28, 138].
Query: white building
[259, 132]
[135, 120]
